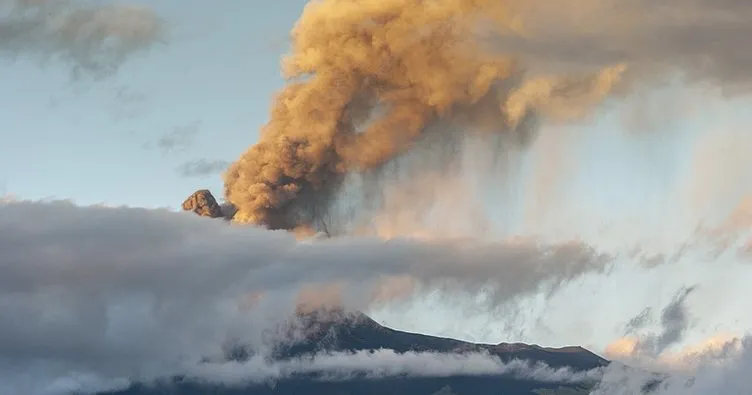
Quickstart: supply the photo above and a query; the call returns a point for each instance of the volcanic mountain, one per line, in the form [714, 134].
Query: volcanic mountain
[327, 331]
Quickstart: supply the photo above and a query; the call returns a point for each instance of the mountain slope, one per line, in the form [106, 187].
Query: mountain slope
[334, 331]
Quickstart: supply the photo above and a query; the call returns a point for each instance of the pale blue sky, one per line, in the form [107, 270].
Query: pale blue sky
[78, 140]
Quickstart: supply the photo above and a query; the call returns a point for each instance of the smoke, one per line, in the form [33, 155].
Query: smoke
[96, 294]
[95, 39]
[370, 80]
[373, 83]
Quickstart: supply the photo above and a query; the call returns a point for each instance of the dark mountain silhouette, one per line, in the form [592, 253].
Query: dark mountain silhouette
[334, 331]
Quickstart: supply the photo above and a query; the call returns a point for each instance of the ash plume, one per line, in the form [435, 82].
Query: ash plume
[369, 79]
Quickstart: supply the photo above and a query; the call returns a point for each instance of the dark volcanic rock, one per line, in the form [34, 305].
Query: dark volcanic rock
[203, 203]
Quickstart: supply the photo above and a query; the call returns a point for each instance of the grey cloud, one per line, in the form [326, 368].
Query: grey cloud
[202, 167]
[674, 324]
[639, 321]
[723, 372]
[675, 321]
[179, 139]
[704, 39]
[95, 39]
[107, 294]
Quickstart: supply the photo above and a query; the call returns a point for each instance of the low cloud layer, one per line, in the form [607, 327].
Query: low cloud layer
[95, 39]
[79, 285]
[714, 365]
[721, 369]
[387, 363]
[329, 366]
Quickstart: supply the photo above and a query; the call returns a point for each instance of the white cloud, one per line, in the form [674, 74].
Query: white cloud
[387, 363]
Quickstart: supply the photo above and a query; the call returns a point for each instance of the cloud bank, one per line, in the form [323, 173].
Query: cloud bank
[81, 285]
[326, 366]
[387, 363]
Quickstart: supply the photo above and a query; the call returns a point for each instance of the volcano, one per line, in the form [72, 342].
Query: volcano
[327, 331]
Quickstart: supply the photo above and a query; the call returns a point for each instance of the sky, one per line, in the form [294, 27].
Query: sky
[640, 173]
[206, 90]
[211, 82]
[139, 136]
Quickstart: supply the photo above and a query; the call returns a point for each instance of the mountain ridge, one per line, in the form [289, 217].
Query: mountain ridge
[334, 331]
[358, 332]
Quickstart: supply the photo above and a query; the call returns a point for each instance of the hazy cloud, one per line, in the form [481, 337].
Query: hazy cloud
[639, 321]
[720, 370]
[179, 139]
[202, 167]
[674, 320]
[127, 103]
[674, 324]
[95, 39]
[705, 39]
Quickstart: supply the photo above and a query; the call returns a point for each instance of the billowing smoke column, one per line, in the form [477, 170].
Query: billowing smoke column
[367, 78]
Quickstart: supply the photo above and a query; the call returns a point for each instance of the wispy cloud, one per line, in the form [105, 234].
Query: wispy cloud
[95, 39]
[179, 139]
[722, 368]
[202, 167]
[387, 363]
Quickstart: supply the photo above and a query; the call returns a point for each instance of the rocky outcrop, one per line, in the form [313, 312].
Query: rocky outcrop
[202, 202]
